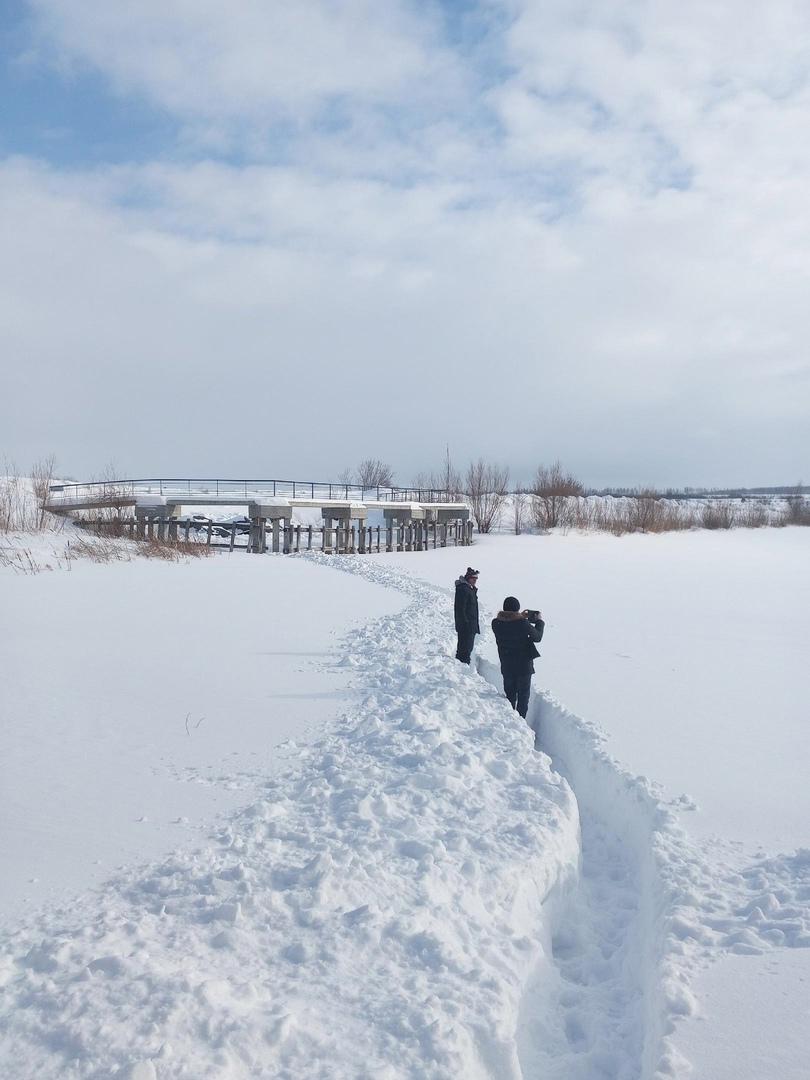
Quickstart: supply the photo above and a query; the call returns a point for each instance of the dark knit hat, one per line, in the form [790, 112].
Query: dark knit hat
[511, 603]
[471, 572]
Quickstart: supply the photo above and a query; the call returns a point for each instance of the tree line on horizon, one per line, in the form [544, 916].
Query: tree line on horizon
[556, 498]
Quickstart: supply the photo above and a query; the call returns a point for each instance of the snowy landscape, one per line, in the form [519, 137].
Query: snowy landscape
[260, 822]
[313, 315]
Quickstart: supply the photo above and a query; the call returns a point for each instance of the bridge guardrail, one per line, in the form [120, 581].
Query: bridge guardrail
[248, 489]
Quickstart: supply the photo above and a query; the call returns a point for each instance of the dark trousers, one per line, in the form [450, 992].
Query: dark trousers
[517, 689]
[466, 640]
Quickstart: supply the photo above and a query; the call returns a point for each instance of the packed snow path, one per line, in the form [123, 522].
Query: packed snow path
[584, 1021]
[409, 900]
[584, 1011]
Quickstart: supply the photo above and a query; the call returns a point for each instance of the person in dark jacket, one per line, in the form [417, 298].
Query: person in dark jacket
[516, 632]
[466, 612]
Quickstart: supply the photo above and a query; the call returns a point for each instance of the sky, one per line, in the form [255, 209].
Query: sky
[270, 239]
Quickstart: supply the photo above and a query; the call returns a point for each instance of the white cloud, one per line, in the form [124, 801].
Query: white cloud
[614, 273]
[693, 75]
[213, 60]
[499, 331]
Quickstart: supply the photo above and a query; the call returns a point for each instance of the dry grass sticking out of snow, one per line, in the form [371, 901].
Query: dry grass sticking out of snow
[35, 554]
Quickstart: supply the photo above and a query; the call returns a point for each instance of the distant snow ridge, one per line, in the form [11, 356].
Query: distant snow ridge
[377, 913]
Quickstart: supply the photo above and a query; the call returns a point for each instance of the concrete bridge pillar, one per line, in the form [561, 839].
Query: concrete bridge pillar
[337, 523]
[279, 514]
[404, 520]
[459, 516]
[151, 516]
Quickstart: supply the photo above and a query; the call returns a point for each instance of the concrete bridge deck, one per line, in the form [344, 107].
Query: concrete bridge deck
[158, 505]
[57, 504]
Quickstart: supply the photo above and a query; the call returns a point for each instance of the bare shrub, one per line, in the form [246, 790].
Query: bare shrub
[719, 514]
[102, 548]
[20, 560]
[649, 511]
[520, 508]
[172, 550]
[754, 515]
[41, 479]
[676, 517]
[115, 490]
[644, 511]
[797, 508]
[584, 513]
[610, 516]
[446, 479]
[16, 504]
[98, 549]
[486, 488]
[370, 473]
[553, 489]
[23, 498]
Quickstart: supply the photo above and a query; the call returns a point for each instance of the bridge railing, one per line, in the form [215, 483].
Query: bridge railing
[247, 489]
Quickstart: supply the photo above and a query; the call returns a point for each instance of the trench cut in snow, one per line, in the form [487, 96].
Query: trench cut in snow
[648, 911]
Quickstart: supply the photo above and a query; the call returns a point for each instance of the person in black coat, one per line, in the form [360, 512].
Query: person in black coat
[516, 632]
[466, 613]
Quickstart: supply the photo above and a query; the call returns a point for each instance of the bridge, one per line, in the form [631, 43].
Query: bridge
[412, 515]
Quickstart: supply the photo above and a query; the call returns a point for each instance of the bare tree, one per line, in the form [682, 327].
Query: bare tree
[444, 479]
[520, 505]
[448, 478]
[117, 491]
[486, 486]
[552, 489]
[372, 473]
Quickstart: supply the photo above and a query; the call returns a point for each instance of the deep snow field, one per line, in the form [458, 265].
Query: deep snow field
[257, 821]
